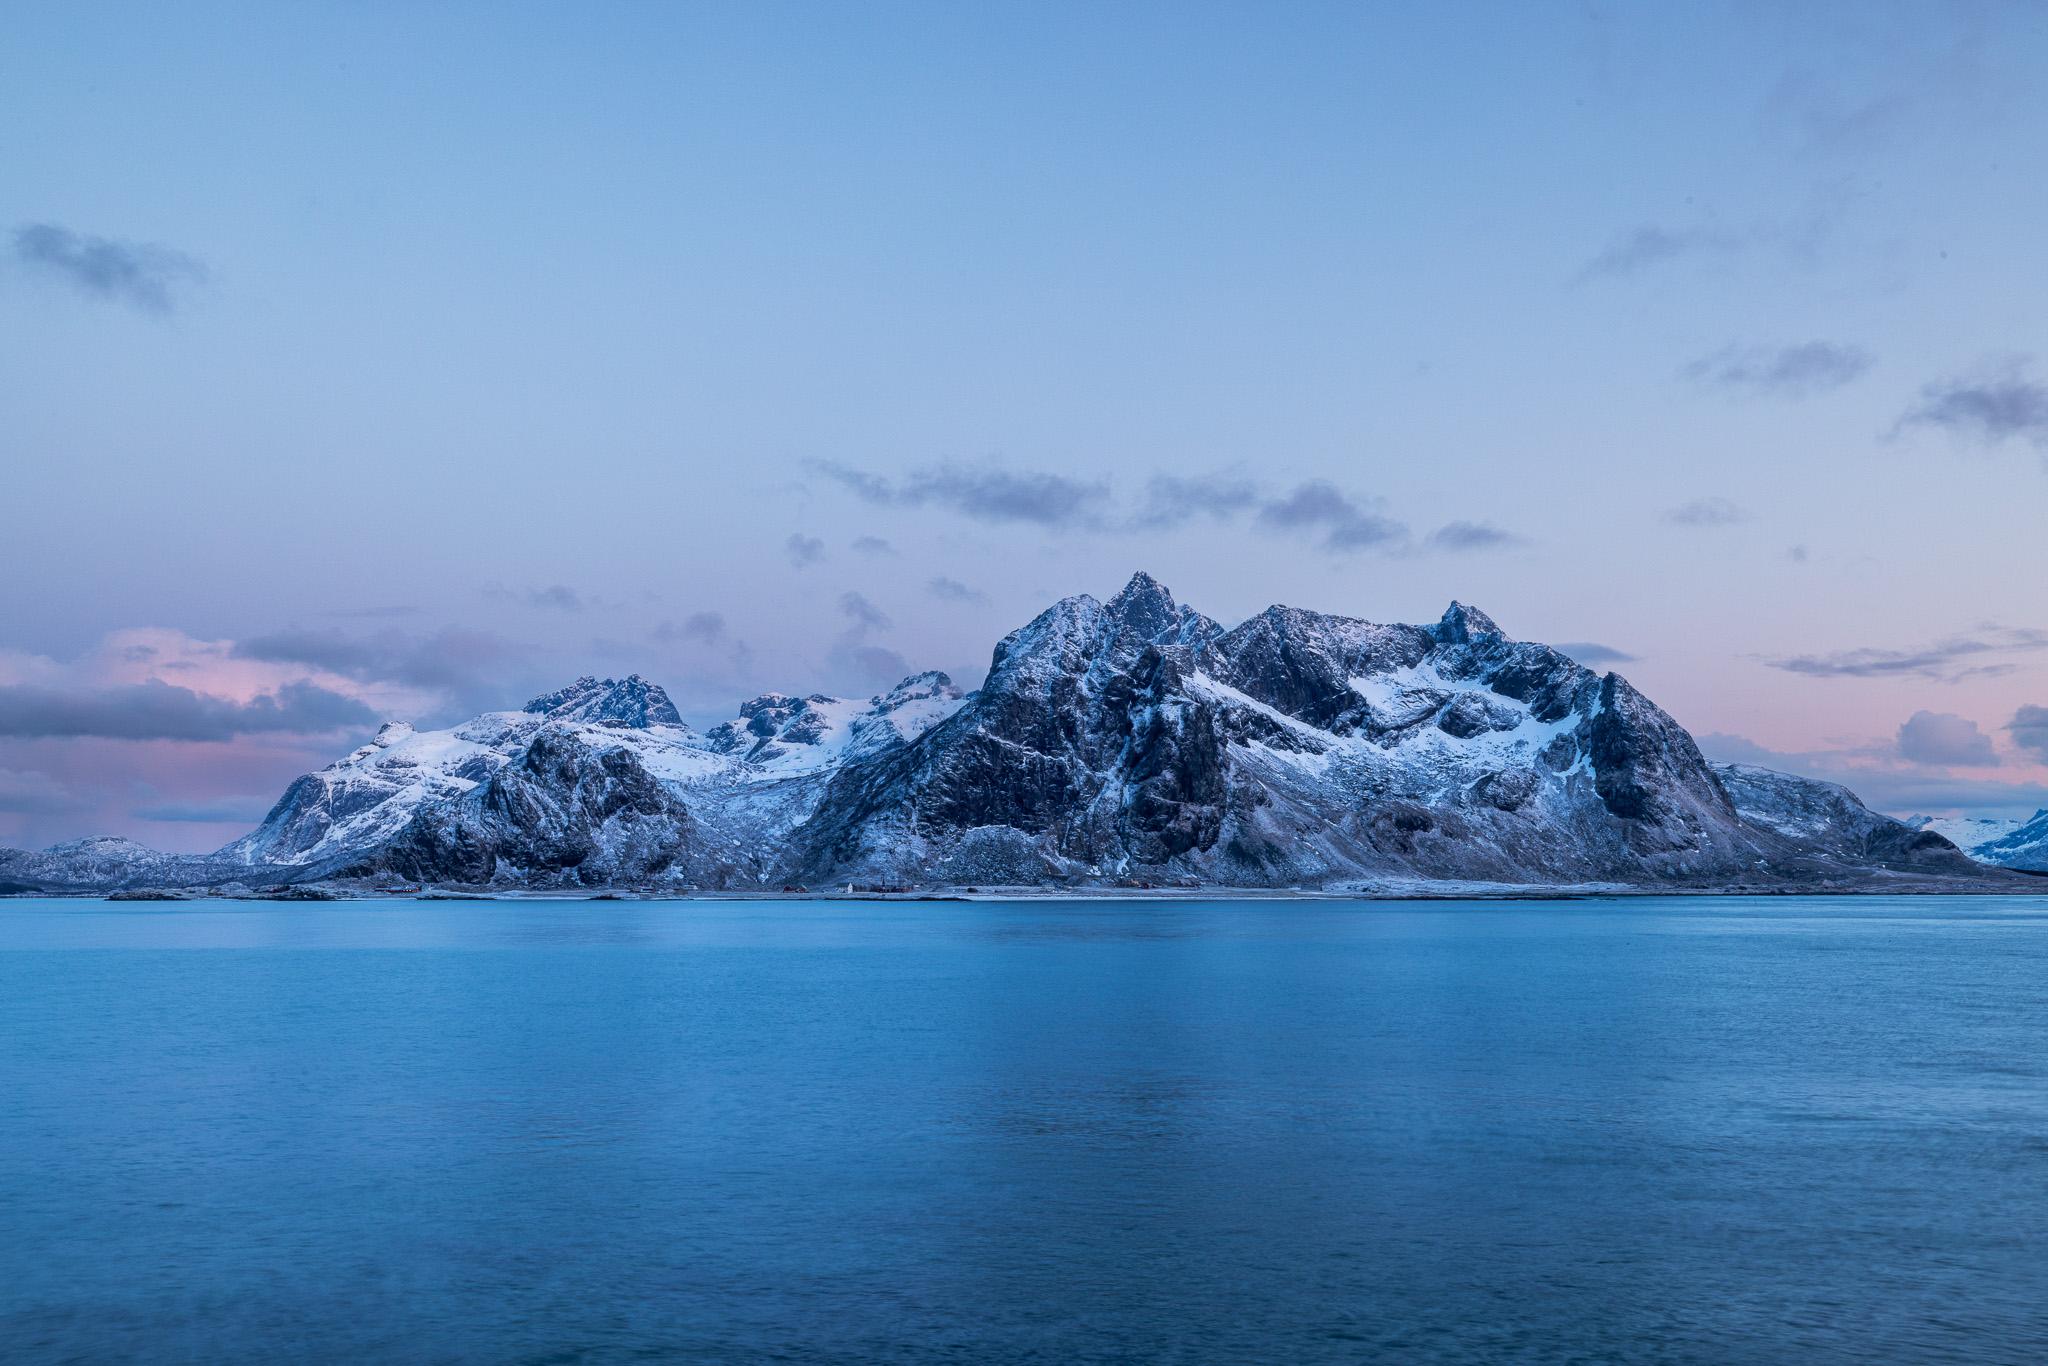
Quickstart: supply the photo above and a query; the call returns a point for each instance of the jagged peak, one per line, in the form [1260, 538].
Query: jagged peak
[391, 733]
[630, 703]
[929, 683]
[1460, 623]
[1141, 585]
[1144, 603]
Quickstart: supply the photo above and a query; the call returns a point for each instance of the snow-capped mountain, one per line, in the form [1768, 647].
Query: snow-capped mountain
[1133, 740]
[102, 862]
[2001, 843]
[1137, 739]
[574, 779]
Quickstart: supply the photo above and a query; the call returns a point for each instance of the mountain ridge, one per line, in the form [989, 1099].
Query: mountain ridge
[1128, 741]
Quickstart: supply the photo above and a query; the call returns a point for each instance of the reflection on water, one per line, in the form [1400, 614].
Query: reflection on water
[1694, 1130]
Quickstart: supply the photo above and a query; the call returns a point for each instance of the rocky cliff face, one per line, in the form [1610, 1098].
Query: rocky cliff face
[1133, 740]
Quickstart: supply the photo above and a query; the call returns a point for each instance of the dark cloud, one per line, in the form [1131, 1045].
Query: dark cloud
[1935, 737]
[1592, 653]
[1340, 522]
[1999, 405]
[474, 668]
[984, 493]
[872, 545]
[134, 273]
[952, 590]
[1707, 512]
[1173, 500]
[864, 615]
[1792, 371]
[1797, 554]
[1459, 536]
[803, 551]
[699, 628]
[160, 711]
[1651, 245]
[2029, 730]
[1947, 660]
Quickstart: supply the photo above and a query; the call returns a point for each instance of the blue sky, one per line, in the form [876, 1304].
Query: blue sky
[419, 358]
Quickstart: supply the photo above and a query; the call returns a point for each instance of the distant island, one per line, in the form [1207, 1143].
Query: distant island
[1128, 745]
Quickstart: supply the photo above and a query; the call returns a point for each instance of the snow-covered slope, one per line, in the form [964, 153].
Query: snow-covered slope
[1133, 740]
[103, 863]
[2001, 843]
[370, 795]
[544, 795]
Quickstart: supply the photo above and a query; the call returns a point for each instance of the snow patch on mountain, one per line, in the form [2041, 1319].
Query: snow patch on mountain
[2002, 843]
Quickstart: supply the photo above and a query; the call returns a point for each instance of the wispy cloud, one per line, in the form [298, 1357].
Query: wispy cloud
[864, 615]
[373, 613]
[556, 597]
[856, 654]
[952, 590]
[1334, 520]
[1946, 660]
[1652, 244]
[139, 274]
[872, 546]
[162, 711]
[2000, 403]
[803, 551]
[986, 493]
[1172, 500]
[1791, 371]
[1707, 512]
[1822, 119]
[1465, 536]
[1339, 522]
[1937, 737]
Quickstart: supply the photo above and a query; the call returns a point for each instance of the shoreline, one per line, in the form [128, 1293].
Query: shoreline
[2023, 885]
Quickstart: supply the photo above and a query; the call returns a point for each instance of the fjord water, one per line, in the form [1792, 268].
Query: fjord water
[1720, 1130]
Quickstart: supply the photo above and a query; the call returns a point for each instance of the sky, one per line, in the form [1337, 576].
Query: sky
[365, 362]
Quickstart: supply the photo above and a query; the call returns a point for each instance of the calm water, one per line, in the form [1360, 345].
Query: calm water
[1715, 1131]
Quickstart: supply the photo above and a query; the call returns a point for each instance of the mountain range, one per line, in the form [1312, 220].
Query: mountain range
[1120, 743]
